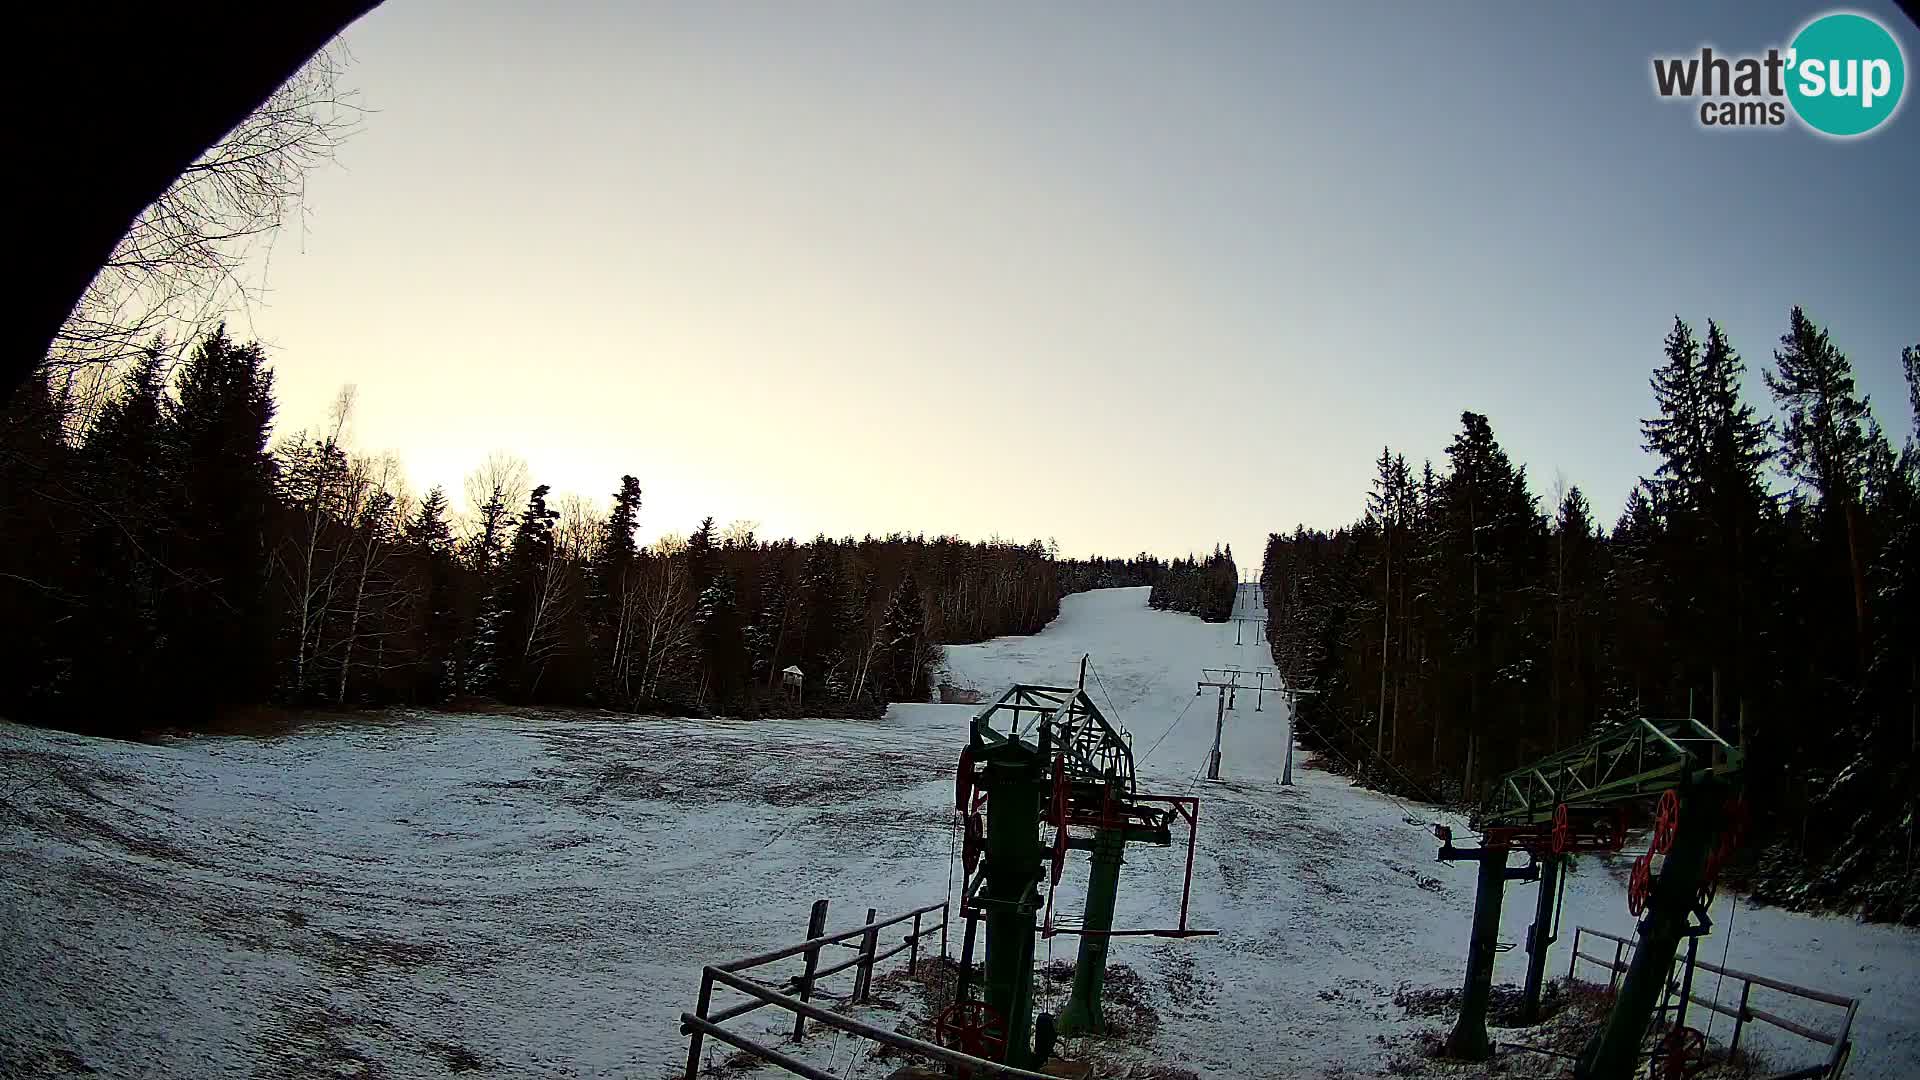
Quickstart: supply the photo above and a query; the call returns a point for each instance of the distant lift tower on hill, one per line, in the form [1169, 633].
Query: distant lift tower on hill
[1230, 683]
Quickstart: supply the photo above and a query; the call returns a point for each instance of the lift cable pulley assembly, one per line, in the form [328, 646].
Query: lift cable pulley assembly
[1045, 773]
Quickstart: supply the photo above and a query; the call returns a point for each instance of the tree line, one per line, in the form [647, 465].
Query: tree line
[1203, 587]
[1764, 579]
[162, 556]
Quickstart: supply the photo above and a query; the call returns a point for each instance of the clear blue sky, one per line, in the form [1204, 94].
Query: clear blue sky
[1129, 275]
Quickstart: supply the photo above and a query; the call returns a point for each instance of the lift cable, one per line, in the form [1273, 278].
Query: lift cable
[1407, 815]
[1732, 913]
[953, 835]
[1111, 704]
[1164, 734]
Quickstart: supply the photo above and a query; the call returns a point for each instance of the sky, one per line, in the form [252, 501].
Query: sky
[1132, 276]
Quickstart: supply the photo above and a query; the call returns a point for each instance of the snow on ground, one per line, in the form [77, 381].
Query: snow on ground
[534, 894]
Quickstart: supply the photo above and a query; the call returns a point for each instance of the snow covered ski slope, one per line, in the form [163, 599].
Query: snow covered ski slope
[532, 894]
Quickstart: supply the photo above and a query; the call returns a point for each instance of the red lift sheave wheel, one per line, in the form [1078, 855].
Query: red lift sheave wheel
[973, 844]
[1640, 885]
[1562, 829]
[972, 1027]
[1666, 822]
[1062, 807]
[963, 780]
[1683, 1053]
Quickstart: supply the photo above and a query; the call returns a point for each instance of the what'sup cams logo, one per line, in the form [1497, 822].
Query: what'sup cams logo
[1843, 75]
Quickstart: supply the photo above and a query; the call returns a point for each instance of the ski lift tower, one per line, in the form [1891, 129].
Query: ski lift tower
[1046, 755]
[1229, 682]
[1575, 801]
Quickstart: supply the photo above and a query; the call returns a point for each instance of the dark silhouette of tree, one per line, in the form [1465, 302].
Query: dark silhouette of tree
[217, 625]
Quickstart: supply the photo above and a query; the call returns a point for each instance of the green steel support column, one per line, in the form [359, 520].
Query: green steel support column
[1083, 1014]
[1615, 1052]
[1540, 938]
[1015, 777]
[1469, 1039]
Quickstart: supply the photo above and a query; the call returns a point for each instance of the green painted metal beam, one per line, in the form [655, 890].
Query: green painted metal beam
[1633, 761]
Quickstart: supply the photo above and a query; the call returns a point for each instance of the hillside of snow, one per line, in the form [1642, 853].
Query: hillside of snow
[533, 894]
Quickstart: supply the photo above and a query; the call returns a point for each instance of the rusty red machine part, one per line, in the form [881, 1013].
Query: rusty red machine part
[1598, 830]
[1666, 821]
[973, 1027]
[963, 780]
[1682, 1054]
[1640, 885]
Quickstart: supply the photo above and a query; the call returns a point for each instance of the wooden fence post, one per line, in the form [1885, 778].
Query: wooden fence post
[1740, 1021]
[869, 944]
[913, 948]
[816, 926]
[1574, 952]
[699, 1010]
[1613, 977]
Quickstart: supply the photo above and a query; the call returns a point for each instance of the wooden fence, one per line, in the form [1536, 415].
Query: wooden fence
[1839, 1042]
[794, 994]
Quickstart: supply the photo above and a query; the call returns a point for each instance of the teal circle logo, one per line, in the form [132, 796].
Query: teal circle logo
[1845, 74]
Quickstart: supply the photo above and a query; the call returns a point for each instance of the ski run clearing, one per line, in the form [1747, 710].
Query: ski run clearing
[532, 894]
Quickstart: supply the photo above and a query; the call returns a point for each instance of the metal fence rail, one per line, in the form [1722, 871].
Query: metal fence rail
[793, 993]
[1840, 1043]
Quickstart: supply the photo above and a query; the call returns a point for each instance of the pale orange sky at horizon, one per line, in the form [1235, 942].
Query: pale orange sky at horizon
[1127, 277]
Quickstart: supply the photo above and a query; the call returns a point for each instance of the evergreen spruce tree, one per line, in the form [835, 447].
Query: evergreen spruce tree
[722, 648]
[217, 624]
[523, 635]
[613, 604]
[907, 649]
[825, 624]
[128, 465]
[1824, 444]
[429, 537]
[37, 586]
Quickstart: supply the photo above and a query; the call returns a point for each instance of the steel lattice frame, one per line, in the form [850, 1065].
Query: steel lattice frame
[1638, 759]
[1096, 752]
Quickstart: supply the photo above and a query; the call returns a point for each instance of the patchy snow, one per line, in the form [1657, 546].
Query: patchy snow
[534, 894]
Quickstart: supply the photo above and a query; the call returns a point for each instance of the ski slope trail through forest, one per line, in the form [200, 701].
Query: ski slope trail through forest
[532, 893]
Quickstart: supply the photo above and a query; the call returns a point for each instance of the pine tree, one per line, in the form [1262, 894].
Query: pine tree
[429, 536]
[722, 650]
[905, 645]
[825, 623]
[1493, 537]
[36, 586]
[527, 623]
[427, 530]
[1678, 435]
[217, 624]
[128, 466]
[614, 605]
[1708, 484]
[1824, 444]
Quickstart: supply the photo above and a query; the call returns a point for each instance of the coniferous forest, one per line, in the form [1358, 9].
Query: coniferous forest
[166, 557]
[1203, 587]
[1764, 579]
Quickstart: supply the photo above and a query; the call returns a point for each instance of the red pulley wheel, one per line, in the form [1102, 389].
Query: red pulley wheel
[963, 780]
[1640, 885]
[1683, 1053]
[972, 1027]
[1562, 829]
[974, 844]
[1666, 822]
[1059, 852]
